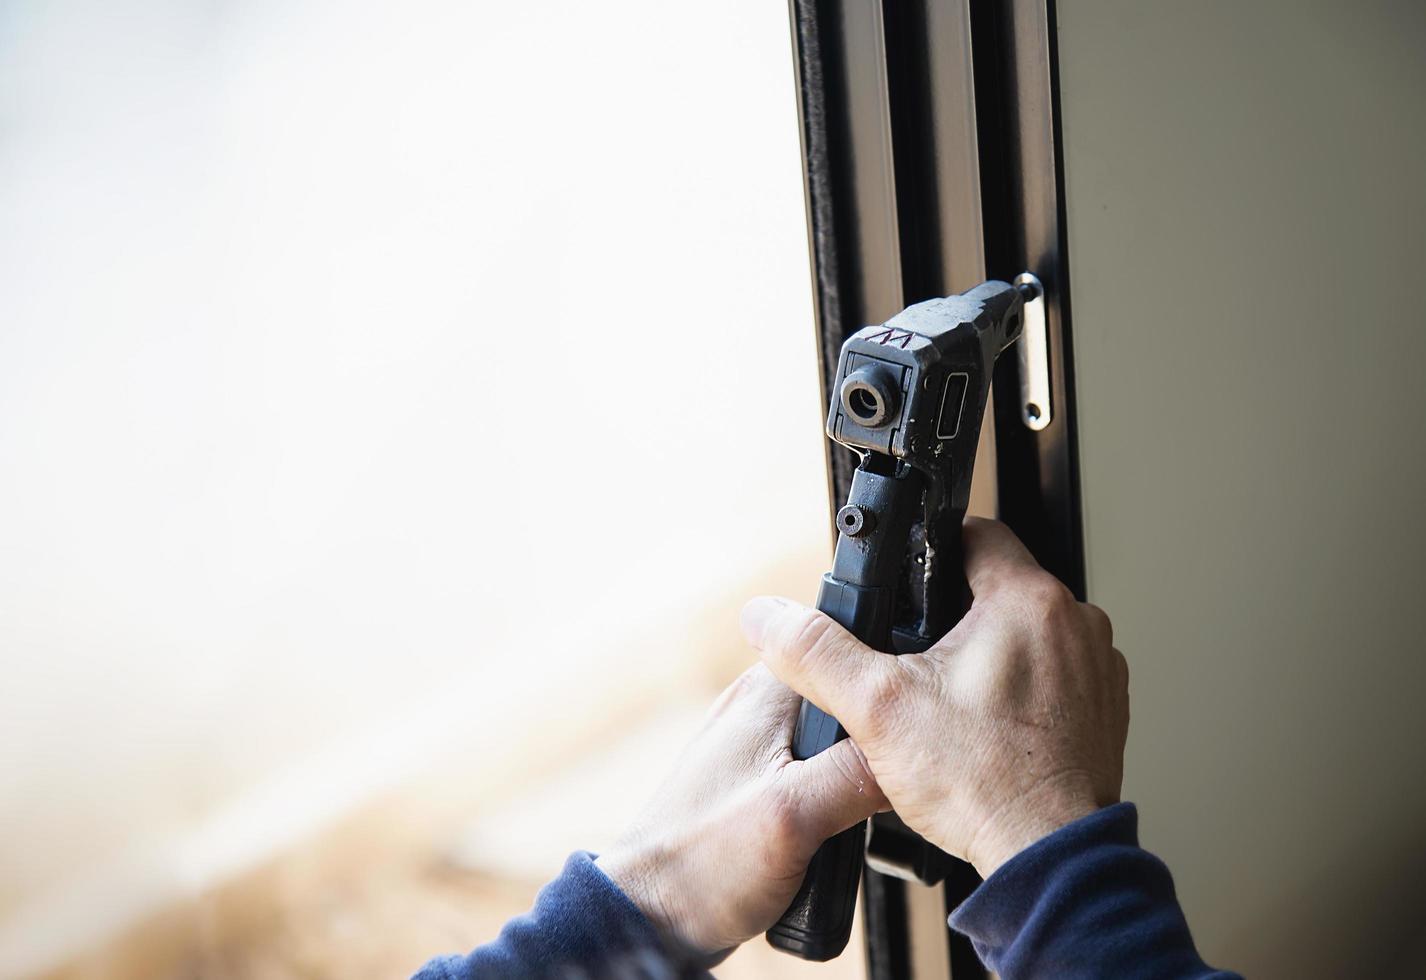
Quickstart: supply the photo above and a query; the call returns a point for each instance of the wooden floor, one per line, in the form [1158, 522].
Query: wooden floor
[385, 929]
[378, 895]
[295, 921]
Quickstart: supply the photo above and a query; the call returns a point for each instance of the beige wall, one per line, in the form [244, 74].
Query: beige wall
[1247, 229]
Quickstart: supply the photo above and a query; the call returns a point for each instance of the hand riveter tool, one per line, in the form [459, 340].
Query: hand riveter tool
[908, 399]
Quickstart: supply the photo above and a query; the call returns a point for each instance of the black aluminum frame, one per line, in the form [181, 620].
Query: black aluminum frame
[931, 161]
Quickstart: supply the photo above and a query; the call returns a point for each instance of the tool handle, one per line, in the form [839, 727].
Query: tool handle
[818, 923]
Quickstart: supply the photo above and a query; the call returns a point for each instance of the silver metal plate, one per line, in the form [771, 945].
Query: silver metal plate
[1034, 355]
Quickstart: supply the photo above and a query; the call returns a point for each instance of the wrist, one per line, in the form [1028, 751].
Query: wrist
[639, 877]
[1031, 817]
[633, 878]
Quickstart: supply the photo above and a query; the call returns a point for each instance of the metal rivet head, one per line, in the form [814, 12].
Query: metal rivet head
[854, 521]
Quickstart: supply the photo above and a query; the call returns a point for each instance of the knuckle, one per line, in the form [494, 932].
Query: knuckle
[1046, 598]
[884, 688]
[744, 682]
[735, 692]
[1121, 667]
[1100, 622]
[757, 679]
[813, 637]
[1056, 596]
[880, 700]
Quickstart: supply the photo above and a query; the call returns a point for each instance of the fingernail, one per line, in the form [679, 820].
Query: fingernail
[757, 614]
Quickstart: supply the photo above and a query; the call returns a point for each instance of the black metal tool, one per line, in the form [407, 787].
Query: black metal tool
[909, 399]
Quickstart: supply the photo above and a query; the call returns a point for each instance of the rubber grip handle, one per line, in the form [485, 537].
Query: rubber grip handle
[818, 923]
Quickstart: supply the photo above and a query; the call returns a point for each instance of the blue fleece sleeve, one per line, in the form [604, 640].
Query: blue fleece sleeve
[1086, 901]
[582, 926]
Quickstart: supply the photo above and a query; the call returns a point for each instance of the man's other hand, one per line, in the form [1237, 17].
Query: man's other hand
[718, 854]
[1010, 727]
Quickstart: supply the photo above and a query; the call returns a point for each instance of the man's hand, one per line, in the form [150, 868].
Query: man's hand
[1009, 728]
[717, 855]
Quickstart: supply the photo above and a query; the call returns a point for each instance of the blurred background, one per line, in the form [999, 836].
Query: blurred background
[360, 364]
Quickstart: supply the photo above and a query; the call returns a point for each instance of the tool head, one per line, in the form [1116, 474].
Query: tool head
[915, 387]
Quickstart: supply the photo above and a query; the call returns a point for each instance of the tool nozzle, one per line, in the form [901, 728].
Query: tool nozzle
[1006, 305]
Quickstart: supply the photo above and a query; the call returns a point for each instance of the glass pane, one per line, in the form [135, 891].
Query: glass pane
[397, 402]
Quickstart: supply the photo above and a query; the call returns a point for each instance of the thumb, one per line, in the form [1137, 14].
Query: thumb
[834, 790]
[819, 660]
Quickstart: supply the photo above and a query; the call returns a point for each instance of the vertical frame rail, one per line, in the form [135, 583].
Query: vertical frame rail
[844, 117]
[931, 162]
[1017, 101]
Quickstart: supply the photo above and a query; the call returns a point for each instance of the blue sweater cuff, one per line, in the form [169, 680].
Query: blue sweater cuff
[581, 925]
[1086, 901]
[997, 911]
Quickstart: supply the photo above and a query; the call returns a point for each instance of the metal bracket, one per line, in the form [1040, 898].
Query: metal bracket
[1034, 355]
